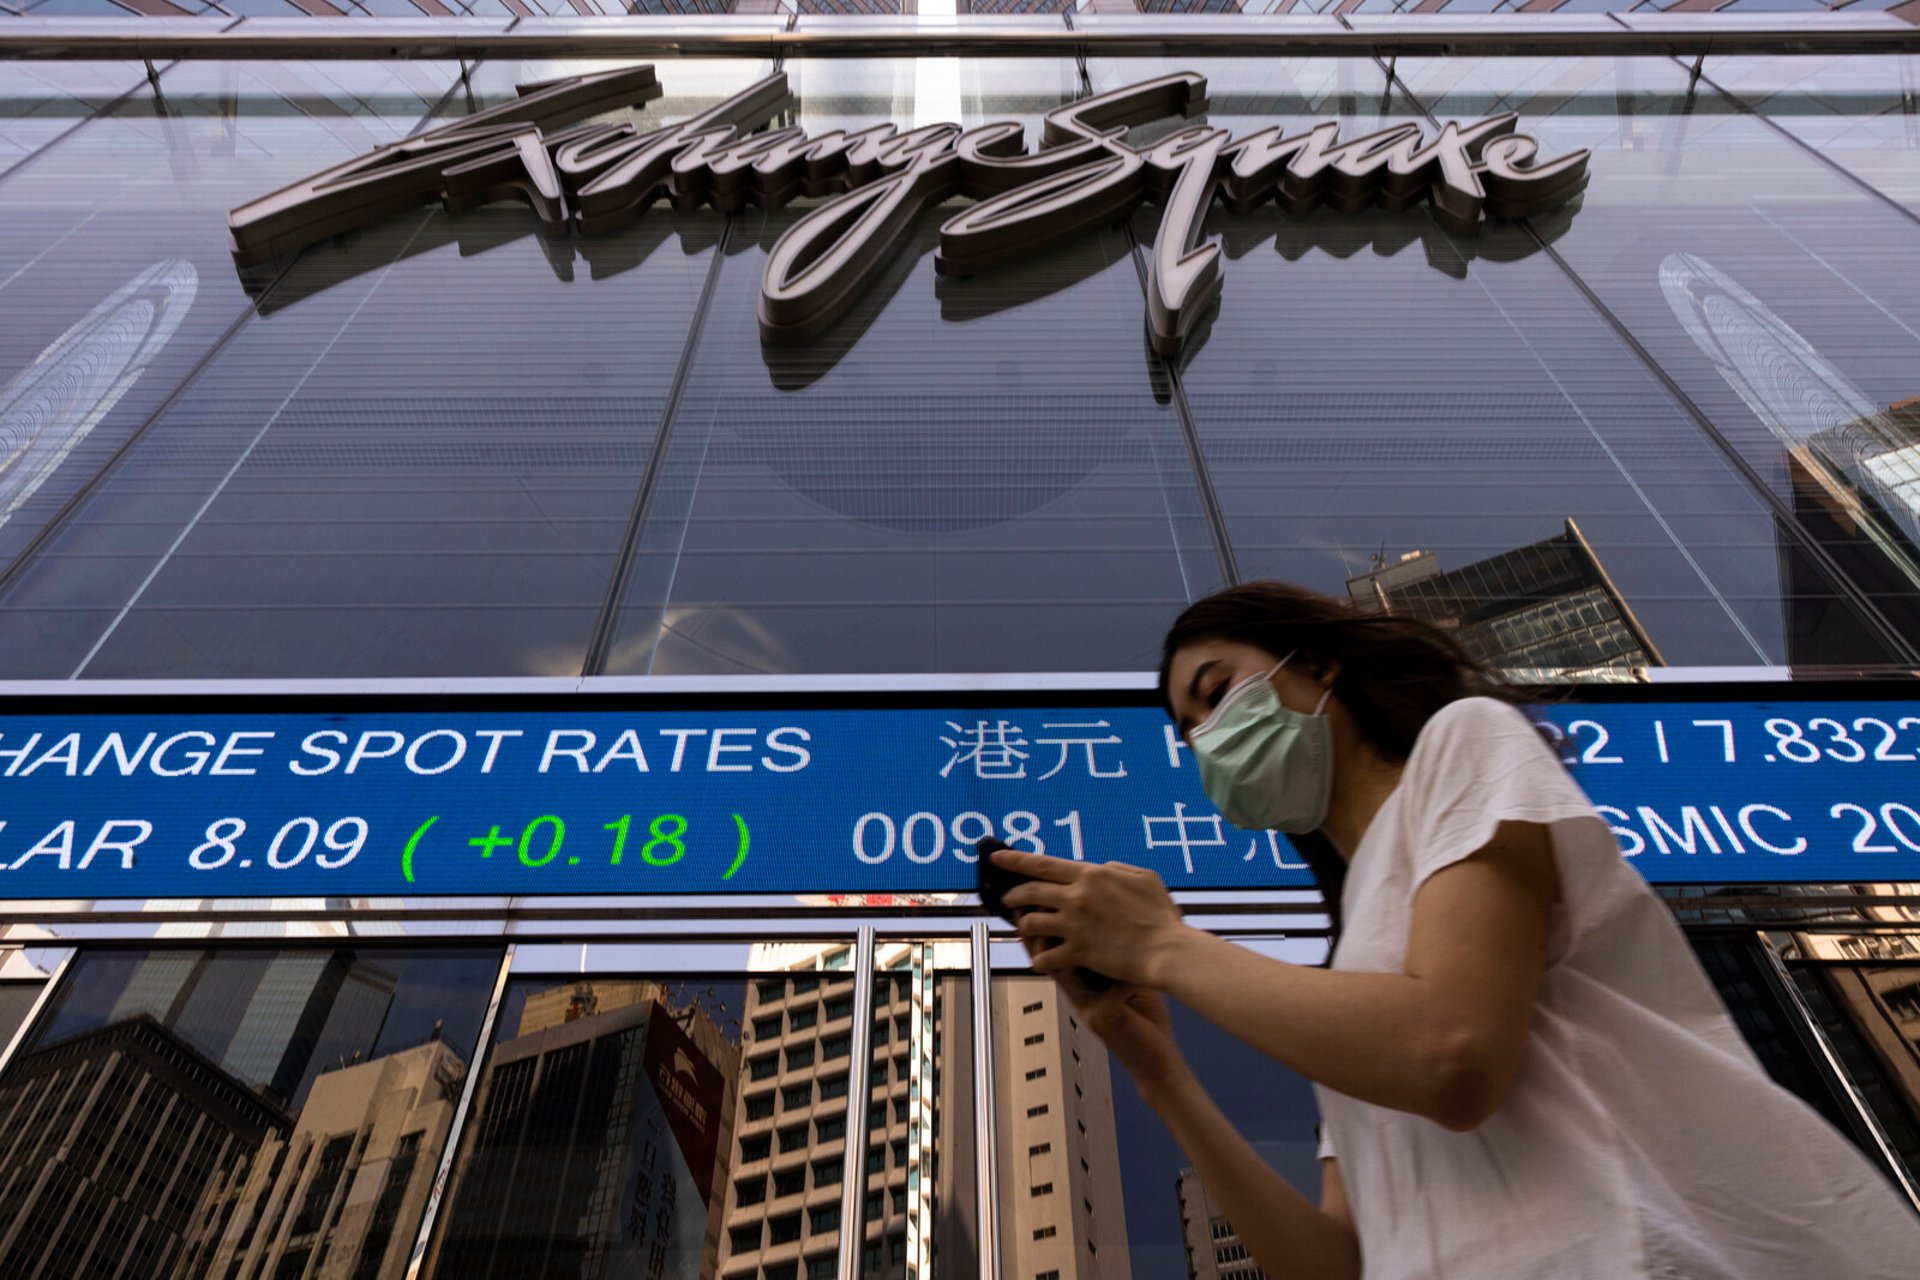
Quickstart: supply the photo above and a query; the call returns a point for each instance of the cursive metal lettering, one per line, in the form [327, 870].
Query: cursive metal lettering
[877, 182]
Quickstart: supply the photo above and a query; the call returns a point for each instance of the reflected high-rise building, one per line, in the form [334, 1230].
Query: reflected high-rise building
[271, 1014]
[1853, 467]
[599, 1141]
[1856, 494]
[1546, 611]
[1061, 1203]
[1060, 1200]
[337, 1197]
[790, 1127]
[1214, 1249]
[106, 1140]
[1864, 988]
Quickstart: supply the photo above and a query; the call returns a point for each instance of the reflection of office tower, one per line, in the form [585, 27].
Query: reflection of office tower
[1865, 988]
[106, 1141]
[264, 1016]
[572, 1001]
[1855, 467]
[1546, 611]
[1867, 529]
[790, 1127]
[600, 1136]
[1214, 1251]
[790, 1139]
[1061, 1207]
[358, 1014]
[336, 1198]
[157, 983]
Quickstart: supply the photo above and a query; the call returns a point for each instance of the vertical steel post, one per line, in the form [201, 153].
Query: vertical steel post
[1785, 984]
[985, 1166]
[419, 1255]
[853, 1175]
[40, 1003]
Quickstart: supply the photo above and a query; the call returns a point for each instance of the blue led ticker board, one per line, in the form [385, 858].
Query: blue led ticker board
[169, 798]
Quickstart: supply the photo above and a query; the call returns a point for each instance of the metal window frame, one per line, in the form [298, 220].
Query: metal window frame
[853, 1167]
[986, 1137]
[1771, 946]
[40, 1003]
[462, 1111]
[1324, 35]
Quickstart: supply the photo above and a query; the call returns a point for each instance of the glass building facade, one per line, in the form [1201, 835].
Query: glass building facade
[1667, 431]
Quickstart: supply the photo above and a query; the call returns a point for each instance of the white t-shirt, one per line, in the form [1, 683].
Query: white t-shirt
[1642, 1138]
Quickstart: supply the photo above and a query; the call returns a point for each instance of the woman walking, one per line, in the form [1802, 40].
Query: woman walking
[1522, 1071]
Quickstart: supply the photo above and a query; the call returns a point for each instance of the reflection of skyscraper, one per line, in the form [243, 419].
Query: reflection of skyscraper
[106, 1141]
[1870, 543]
[336, 1198]
[1061, 1204]
[599, 1141]
[1855, 468]
[1214, 1250]
[1864, 988]
[791, 1132]
[264, 1016]
[1544, 611]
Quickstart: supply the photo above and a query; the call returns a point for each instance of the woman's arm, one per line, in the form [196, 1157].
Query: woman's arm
[1289, 1237]
[1443, 1039]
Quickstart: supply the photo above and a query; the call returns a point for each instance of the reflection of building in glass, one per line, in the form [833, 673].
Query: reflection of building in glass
[790, 1126]
[790, 1139]
[337, 1199]
[1855, 467]
[267, 1015]
[1214, 1250]
[107, 1139]
[1865, 528]
[1546, 611]
[599, 1141]
[1864, 988]
[1061, 1206]
[1061, 1200]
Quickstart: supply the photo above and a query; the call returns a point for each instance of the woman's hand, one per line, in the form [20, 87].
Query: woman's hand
[1112, 918]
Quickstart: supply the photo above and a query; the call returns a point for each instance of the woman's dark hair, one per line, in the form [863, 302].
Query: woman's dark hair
[1395, 672]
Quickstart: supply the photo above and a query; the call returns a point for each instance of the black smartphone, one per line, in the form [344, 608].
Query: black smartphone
[994, 881]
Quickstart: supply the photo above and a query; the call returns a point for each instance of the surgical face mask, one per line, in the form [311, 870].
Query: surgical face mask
[1264, 765]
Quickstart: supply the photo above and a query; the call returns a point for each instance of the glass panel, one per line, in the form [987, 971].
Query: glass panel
[996, 447]
[419, 460]
[1857, 111]
[39, 101]
[1448, 429]
[1778, 295]
[601, 1140]
[115, 280]
[191, 1113]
